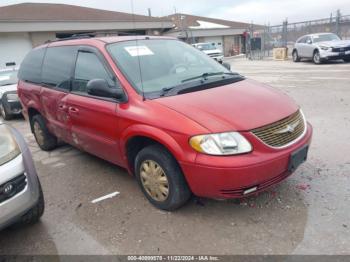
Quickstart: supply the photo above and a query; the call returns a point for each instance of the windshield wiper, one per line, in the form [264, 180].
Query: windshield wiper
[184, 85]
[166, 90]
[205, 75]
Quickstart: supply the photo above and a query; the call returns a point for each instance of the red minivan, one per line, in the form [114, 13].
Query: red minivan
[176, 119]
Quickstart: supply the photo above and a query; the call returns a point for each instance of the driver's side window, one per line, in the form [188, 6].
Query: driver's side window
[88, 67]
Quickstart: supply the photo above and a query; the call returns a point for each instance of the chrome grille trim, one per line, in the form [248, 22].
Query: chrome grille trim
[265, 135]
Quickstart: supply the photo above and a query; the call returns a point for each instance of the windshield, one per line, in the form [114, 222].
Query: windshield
[162, 63]
[325, 37]
[8, 77]
[206, 46]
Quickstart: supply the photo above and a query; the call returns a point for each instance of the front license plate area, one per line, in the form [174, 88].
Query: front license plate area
[297, 158]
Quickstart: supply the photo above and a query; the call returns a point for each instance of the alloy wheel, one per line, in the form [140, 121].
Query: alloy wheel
[317, 58]
[295, 56]
[39, 134]
[154, 180]
[2, 111]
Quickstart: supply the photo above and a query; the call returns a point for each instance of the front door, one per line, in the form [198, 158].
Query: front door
[94, 120]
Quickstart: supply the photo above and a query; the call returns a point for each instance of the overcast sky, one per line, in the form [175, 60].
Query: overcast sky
[258, 11]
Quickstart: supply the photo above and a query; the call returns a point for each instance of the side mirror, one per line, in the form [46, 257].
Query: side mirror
[100, 87]
[227, 65]
[309, 41]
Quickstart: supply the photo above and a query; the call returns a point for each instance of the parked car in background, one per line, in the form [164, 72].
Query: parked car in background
[9, 101]
[321, 47]
[172, 116]
[21, 197]
[211, 50]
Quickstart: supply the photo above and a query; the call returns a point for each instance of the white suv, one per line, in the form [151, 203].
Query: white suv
[211, 50]
[321, 47]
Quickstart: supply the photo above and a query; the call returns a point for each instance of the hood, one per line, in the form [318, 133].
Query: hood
[338, 43]
[240, 106]
[8, 88]
[214, 51]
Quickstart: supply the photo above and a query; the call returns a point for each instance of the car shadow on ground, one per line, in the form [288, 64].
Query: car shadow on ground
[330, 62]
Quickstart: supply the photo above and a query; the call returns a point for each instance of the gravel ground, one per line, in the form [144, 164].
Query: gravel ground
[306, 214]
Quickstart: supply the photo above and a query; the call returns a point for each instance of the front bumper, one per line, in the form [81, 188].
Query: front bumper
[11, 106]
[229, 177]
[218, 58]
[329, 55]
[13, 208]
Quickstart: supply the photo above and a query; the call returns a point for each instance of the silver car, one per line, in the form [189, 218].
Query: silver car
[21, 197]
[321, 47]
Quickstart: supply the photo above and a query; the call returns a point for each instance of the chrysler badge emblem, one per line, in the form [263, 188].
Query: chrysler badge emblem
[288, 129]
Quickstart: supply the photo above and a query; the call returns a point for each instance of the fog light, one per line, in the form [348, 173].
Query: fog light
[250, 190]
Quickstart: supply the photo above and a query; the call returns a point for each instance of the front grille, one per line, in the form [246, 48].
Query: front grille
[282, 132]
[341, 49]
[17, 185]
[214, 54]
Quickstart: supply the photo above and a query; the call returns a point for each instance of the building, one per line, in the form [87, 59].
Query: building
[227, 35]
[24, 26]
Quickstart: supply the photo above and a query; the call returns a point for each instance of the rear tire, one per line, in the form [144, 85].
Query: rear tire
[170, 185]
[347, 60]
[43, 137]
[295, 56]
[3, 111]
[316, 58]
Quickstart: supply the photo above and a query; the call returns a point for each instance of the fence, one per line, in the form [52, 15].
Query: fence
[285, 34]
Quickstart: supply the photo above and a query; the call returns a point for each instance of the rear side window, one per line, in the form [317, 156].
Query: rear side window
[88, 67]
[302, 40]
[30, 69]
[58, 66]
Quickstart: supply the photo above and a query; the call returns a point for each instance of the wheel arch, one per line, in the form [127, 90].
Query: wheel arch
[32, 111]
[138, 137]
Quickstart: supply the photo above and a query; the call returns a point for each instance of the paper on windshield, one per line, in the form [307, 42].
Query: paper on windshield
[140, 50]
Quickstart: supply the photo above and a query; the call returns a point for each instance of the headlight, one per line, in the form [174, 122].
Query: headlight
[8, 147]
[230, 143]
[325, 48]
[12, 97]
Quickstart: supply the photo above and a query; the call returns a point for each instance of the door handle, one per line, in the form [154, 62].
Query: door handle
[73, 110]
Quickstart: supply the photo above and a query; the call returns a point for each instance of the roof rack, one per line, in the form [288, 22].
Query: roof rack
[72, 37]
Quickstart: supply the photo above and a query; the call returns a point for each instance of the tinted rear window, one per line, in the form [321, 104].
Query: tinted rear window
[58, 65]
[30, 69]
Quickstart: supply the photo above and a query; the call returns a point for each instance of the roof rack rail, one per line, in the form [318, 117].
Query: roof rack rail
[72, 37]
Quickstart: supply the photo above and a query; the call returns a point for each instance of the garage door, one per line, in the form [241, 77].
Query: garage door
[218, 40]
[13, 48]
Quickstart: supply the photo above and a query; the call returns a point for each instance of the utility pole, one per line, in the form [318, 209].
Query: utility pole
[337, 23]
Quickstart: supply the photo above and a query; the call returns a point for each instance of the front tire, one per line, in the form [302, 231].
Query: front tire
[316, 58]
[34, 214]
[43, 137]
[295, 56]
[3, 111]
[346, 60]
[160, 178]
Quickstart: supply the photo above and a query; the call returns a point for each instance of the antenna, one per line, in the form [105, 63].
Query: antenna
[137, 48]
